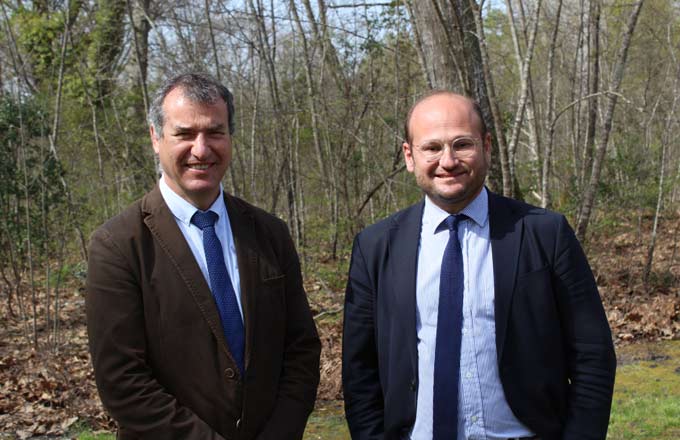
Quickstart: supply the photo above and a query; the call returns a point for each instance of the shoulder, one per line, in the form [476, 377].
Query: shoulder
[267, 226]
[125, 223]
[258, 214]
[130, 226]
[118, 242]
[507, 215]
[507, 207]
[381, 230]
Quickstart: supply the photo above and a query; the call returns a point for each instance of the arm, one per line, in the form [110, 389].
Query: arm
[364, 406]
[590, 352]
[300, 371]
[117, 338]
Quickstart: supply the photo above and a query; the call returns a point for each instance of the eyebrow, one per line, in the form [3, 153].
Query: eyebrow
[185, 129]
[455, 138]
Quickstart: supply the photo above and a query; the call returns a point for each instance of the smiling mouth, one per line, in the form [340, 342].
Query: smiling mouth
[198, 166]
[451, 175]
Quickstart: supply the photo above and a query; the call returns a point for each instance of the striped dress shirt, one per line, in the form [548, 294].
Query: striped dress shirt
[483, 410]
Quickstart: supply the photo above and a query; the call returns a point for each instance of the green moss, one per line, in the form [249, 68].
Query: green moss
[647, 392]
[95, 436]
[80, 431]
[327, 422]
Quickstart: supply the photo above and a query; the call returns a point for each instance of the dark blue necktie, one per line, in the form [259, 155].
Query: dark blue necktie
[449, 326]
[220, 284]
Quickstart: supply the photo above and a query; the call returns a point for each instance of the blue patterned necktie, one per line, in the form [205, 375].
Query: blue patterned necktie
[221, 287]
[449, 326]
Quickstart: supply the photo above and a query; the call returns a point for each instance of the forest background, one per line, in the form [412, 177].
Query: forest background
[581, 96]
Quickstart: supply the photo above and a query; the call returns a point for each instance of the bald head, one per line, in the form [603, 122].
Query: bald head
[446, 97]
[447, 149]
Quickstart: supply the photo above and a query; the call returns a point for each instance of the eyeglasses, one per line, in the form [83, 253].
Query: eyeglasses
[461, 148]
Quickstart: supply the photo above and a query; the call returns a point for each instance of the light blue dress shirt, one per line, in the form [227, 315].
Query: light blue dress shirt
[483, 411]
[183, 211]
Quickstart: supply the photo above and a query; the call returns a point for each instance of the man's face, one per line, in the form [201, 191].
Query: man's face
[455, 179]
[195, 148]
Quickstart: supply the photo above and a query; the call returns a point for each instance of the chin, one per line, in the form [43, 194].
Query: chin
[450, 201]
[202, 188]
[451, 194]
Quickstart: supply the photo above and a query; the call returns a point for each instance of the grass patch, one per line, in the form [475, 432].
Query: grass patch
[327, 422]
[95, 436]
[647, 393]
[81, 432]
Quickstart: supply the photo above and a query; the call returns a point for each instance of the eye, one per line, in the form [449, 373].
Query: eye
[184, 135]
[216, 133]
[464, 144]
[432, 148]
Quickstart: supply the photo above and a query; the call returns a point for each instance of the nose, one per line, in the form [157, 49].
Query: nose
[200, 146]
[448, 159]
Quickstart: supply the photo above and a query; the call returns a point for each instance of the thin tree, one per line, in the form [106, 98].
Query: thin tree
[666, 140]
[524, 64]
[550, 112]
[619, 67]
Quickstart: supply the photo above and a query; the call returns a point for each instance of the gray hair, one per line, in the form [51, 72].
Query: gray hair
[197, 87]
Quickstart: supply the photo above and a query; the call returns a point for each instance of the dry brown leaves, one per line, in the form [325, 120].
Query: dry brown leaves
[44, 393]
[326, 304]
[637, 311]
[330, 387]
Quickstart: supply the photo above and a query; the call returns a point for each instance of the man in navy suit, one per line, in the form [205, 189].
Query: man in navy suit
[533, 355]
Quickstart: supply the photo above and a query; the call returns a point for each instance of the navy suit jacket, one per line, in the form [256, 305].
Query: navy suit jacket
[555, 352]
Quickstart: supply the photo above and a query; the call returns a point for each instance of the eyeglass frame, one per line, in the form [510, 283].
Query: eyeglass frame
[458, 153]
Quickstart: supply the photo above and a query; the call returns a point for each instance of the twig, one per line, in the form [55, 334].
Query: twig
[329, 312]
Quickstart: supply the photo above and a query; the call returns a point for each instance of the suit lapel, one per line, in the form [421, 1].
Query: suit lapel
[506, 237]
[403, 252]
[243, 231]
[161, 222]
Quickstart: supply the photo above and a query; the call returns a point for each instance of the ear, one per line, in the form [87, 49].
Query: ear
[408, 156]
[487, 147]
[154, 139]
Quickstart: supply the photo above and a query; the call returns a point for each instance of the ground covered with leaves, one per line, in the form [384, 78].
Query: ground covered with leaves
[50, 391]
[639, 311]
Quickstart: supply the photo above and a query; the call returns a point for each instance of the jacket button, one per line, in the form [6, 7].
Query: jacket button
[413, 385]
[229, 373]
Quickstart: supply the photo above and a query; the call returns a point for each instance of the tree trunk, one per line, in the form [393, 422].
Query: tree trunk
[523, 64]
[479, 70]
[532, 111]
[665, 142]
[433, 23]
[593, 89]
[550, 113]
[139, 21]
[598, 162]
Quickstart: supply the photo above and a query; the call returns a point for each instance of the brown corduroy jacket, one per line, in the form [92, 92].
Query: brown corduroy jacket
[161, 362]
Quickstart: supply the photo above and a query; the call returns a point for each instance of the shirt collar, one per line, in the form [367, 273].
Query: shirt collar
[477, 210]
[183, 210]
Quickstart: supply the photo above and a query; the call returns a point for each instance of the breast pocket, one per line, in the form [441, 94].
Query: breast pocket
[533, 274]
[535, 288]
[274, 283]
